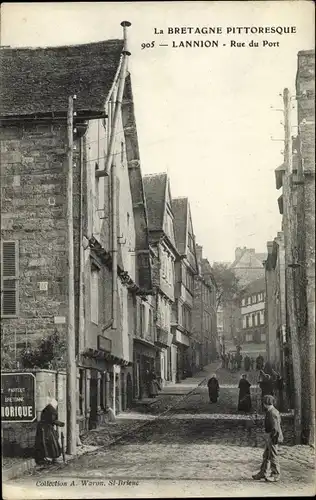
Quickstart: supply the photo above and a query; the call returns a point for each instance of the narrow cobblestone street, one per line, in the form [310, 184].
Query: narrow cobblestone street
[208, 449]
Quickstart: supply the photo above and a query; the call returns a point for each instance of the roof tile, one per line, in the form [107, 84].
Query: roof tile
[40, 80]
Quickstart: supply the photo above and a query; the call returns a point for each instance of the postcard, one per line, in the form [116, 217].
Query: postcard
[157, 249]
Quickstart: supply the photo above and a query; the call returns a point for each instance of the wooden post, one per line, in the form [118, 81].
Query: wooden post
[87, 398]
[289, 231]
[99, 375]
[71, 345]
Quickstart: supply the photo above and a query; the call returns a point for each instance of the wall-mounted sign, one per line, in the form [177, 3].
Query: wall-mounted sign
[104, 344]
[18, 397]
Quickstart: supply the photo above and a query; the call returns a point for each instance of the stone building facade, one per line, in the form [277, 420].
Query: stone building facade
[164, 252]
[185, 271]
[253, 313]
[275, 302]
[304, 253]
[297, 206]
[205, 343]
[33, 229]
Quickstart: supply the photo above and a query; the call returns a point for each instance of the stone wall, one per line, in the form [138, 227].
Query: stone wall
[33, 170]
[305, 274]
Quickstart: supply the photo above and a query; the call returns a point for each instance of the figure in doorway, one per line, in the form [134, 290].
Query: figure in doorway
[154, 386]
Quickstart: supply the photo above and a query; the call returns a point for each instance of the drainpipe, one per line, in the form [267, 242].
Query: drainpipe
[114, 114]
[82, 334]
[114, 244]
[118, 103]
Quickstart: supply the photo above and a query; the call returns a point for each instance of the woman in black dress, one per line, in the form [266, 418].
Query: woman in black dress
[213, 388]
[244, 400]
[46, 440]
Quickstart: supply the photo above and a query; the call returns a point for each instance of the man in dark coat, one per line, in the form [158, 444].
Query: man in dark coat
[247, 363]
[213, 388]
[273, 436]
[46, 439]
[259, 362]
[244, 400]
[266, 385]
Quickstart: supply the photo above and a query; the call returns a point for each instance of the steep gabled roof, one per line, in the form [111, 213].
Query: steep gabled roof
[180, 208]
[40, 80]
[252, 260]
[155, 186]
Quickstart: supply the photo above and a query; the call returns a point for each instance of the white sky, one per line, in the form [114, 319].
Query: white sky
[203, 114]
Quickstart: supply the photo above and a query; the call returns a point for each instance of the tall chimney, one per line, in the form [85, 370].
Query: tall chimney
[125, 25]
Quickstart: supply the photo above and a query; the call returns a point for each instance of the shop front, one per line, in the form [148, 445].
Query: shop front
[145, 354]
[183, 365]
[104, 381]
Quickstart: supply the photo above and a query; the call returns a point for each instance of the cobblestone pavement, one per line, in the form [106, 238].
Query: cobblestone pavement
[187, 454]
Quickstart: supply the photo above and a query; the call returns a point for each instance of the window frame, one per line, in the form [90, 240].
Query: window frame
[15, 278]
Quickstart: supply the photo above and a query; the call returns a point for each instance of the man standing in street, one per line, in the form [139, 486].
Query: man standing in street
[273, 436]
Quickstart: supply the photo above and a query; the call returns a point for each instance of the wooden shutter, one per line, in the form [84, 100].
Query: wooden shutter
[9, 278]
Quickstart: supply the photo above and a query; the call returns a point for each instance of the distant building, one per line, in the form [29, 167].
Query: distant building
[252, 302]
[248, 265]
[204, 332]
[186, 268]
[164, 252]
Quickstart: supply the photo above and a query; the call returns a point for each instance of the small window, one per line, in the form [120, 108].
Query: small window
[243, 302]
[247, 322]
[94, 295]
[9, 278]
[258, 318]
[263, 337]
[249, 301]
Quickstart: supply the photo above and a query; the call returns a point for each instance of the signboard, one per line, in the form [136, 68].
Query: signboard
[18, 397]
[104, 344]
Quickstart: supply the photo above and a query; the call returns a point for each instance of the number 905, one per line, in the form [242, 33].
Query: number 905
[148, 45]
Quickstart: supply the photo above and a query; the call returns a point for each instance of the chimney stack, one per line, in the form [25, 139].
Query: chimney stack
[125, 25]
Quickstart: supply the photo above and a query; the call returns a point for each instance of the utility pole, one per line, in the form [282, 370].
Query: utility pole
[289, 232]
[71, 345]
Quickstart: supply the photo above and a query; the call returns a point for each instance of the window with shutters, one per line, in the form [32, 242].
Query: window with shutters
[9, 278]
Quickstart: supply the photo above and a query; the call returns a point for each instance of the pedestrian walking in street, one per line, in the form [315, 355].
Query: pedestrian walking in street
[223, 357]
[273, 436]
[259, 362]
[238, 360]
[266, 386]
[213, 388]
[244, 399]
[226, 361]
[230, 362]
[247, 363]
[46, 439]
[252, 363]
